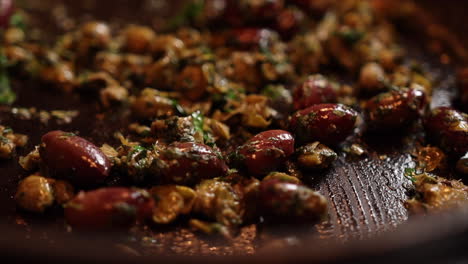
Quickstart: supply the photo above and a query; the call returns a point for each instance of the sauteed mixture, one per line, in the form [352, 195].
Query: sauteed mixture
[232, 107]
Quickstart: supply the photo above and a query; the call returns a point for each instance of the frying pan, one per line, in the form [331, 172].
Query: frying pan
[367, 219]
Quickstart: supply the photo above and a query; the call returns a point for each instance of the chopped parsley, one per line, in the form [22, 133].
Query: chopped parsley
[198, 123]
[17, 20]
[410, 173]
[268, 55]
[67, 135]
[273, 91]
[197, 120]
[180, 110]
[4, 140]
[351, 36]
[136, 149]
[189, 13]
[7, 96]
[7, 130]
[138, 156]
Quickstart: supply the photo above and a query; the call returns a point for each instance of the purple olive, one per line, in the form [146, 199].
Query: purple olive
[315, 90]
[286, 201]
[6, 10]
[188, 163]
[248, 38]
[74, 158]
[448, 128]
[266, 151]
[108, 208]
[327, 123]
[395, 109]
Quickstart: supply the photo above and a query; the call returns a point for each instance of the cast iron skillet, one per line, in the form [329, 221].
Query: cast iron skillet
[366, 195]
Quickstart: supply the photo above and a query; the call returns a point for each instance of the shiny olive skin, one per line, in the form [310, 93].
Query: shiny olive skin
[73, 158]
[187, 163]
[109, 208]
[448, 128]
[6, 10]
[290, 202]
[315, 90]
[328, 123]
[265, 151]
[394, 109]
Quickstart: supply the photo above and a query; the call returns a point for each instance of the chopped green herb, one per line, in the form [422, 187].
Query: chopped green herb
[197, 120]
[136, 149]
[7, 96]
[67, 135]
[273, 91]
[198, 123]
[410, 173]
[189, 13]
[351, 36]
[4, 140]
[178, 107]
[7, 130]
[209, 139]
[268, 55]
[17, 20]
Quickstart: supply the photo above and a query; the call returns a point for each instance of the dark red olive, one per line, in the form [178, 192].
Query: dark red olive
[248, 38]
[288, 22]
[315, 90]
[287, 201]
[448, 128]
[395, 109]
[6, 10]
[327, 123]
[108, 208]
[266, 151]
[73, 158]
[188, 163]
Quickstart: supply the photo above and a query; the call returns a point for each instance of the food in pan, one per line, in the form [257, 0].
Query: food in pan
[231, 108]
